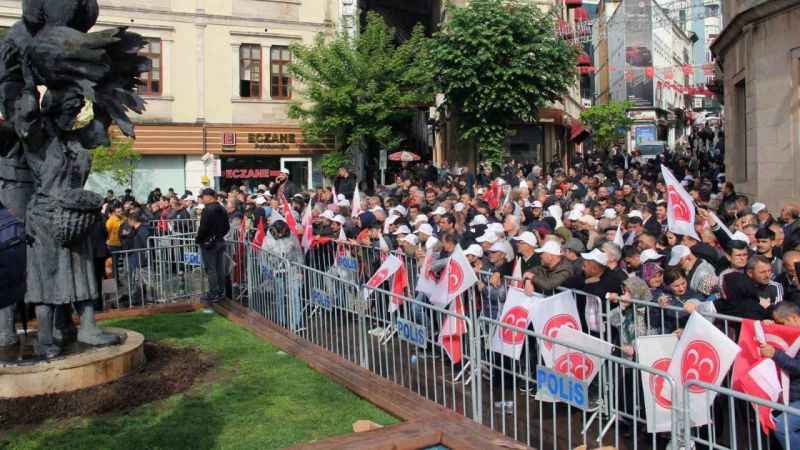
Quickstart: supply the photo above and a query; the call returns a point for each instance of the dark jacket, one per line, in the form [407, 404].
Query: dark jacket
[12, 259]
[742, 296]
[792, 368]
[346, 185]
[214, 224]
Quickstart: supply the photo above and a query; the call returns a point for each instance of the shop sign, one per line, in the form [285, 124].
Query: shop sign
[250, 173]
[229, 139]
[642, 115]
[271, 140]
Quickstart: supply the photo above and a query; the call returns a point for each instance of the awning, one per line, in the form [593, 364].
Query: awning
[573, 3]
[578, 132]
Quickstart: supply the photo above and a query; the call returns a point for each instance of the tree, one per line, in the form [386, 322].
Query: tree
[358, 92]
[497, 62]
[609, 123]
[118, 160]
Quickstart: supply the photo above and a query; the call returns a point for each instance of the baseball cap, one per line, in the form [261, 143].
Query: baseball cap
[488, 237]
[495, 227]
[425, 228]
[739, 236]
[550, 247]
[439, 211]
[528, 238]
[399, 209]
[402, 229]
[327, 214]
[284, 170]
[344, 202]
[504, 247]
[536, 204]
[575, 245]
[480, 219]
[474, 250]
[260, 200]
[459, 207]
[758, 207]
[597, 256]
[339, 219]
[420, 219]
[677, 253]
[431, 242]
[392, 219]
[588, 220]
[610, 213]
[410, 238]
[636, 213]
[650, 255]
[574, 215]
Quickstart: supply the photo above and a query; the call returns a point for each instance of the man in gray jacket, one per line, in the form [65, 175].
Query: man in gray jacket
[700, 273]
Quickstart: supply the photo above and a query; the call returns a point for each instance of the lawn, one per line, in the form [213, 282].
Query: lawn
[262, 398]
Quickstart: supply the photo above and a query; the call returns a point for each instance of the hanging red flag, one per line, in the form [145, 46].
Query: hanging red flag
[290, 220]
[261, 233]
[399, 288]
[649, 72]
[492, 195]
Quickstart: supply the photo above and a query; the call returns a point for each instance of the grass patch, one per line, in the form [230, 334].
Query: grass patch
[261, 399]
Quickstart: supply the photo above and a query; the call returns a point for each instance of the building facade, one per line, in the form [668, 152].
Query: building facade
[759, 53]
[647, 53]
[218, 92]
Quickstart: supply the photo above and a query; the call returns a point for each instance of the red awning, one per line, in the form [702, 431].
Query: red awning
[578, 132]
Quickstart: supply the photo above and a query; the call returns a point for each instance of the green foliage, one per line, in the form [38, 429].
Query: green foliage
[331, 162]
[360, 90]
[117, 160]
[609, 123]
[258, 398]
[497, 62]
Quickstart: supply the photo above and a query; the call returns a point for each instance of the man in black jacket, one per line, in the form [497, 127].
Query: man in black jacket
[345, 183]
[214, 225]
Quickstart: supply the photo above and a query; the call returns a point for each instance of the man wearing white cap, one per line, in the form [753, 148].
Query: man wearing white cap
[552, 273]
[487, 240]
[598, 281]
[474, 254]
[526, 244]
[409, 244]
[424, 232]
[761, 212]
[701, 275]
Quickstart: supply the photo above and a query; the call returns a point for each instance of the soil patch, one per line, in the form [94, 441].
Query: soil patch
[168, 370]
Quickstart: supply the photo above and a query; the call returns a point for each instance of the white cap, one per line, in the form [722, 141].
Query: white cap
[555, 211]
[579, 207]
[480, 219]
[550, 247]
[739, 236]
[495, 227]
[421, 218]
[284, 170]
[677, 253]
[523, 184]
[431, 242]
[536, 204]
[459, 207]
[260, 200]
[344, 202]
[588, 220]
[474, 250]
[340, 197]
[392, 219]
[439, 211]
[758, 207]
[597, 256]
[410, 238]
[649, 255]
[528, 238]
[327, 214]
[610, 213]
[339, 219]
[636, 213]
[688, 178]
[402, 229]
[505, 247]
[488, 237]
[262, 187]
[399, 209]
[377, 209]
[574, 215]
[425, 228]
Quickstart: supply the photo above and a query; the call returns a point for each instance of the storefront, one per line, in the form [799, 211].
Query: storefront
[225, 156]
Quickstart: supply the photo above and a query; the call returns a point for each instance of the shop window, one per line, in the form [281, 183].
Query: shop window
[152, 80]
[280, 82]
[250, 71]
[740, 152]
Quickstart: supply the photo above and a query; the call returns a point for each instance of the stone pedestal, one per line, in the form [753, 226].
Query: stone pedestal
[80, 366]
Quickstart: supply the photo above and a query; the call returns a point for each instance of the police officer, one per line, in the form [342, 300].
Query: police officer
[214, 225]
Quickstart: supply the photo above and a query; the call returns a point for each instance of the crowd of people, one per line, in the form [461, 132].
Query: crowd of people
[599, 227]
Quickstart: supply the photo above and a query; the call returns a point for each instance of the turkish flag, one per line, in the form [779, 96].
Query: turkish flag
[308, 229]
[704, 353]
[390, 265]
[258, 239]
[457, 277]
[399, 288]
[680, 206]
[453, 327]
[492, 195]
[289, 216]
[758, 376]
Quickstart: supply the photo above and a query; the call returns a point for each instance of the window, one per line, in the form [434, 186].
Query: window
[250, 71]
[279, 72]
[151, 81]
[740, 105]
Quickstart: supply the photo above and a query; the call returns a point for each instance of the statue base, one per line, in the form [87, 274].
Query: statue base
[25, 374]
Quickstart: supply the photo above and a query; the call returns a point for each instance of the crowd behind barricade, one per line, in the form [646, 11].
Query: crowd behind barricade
[600, 227]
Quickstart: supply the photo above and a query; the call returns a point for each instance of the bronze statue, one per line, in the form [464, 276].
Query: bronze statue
[49, 66]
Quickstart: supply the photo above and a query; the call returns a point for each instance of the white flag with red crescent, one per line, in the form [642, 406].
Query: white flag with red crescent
[390, 265]
[457, 277]
[656, 352]
[516, 313]
[575, 363]
[704, 353]
[550, 314]
[680, 206]
[426, 282]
